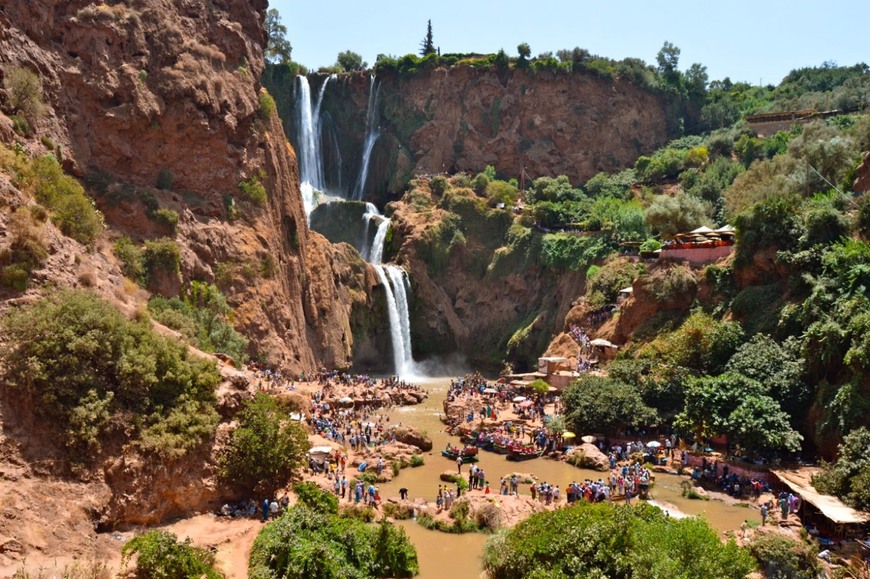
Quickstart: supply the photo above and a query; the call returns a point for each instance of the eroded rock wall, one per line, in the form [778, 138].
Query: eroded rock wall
[462, 119]
[150, 92]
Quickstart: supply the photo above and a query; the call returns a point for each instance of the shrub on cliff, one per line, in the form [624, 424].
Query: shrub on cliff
[622, 542]
[849, 477]
[25, 252]
[80, 365]
[24, 91]
[265, 448]
[782, 557]
[162, 556]
[204, 317]
[71, 210]
[565, 251]
[304, 544]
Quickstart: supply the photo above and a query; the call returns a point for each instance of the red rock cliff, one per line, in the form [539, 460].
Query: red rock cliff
[167, 90]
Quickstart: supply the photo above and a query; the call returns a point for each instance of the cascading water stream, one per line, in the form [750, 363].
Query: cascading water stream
[396, 287]
[373, 131]
[311, 157]
[311, 169]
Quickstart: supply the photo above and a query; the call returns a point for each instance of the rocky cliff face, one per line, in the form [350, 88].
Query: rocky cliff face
[462, 119]
[158, 101]
[148, 93]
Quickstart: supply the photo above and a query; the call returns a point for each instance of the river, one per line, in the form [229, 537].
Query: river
[459, 556]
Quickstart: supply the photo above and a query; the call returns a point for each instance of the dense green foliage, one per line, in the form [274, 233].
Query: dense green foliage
[605, 404]
[603, 540]
[782, 557]
[162, 556]
[849, 476]
[311, 542]
[265, 448]
[70, 208]
[202, 316]
[88, 370]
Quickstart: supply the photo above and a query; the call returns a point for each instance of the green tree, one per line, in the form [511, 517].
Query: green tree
[525, 51]
[671, 215]
[278, 48]
[849, 476]
[427, 46]
[162, 556]
[265, 448]
[668, 58]
[78, 360]
[739, 407]
[619, 542]
[350, 61]
[24, 91]
[598, 404]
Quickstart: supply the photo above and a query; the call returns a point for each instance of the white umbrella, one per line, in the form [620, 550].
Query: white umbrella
[589, 439]
[346, 400]
[519, 399]
[653, 444]
[489, 390]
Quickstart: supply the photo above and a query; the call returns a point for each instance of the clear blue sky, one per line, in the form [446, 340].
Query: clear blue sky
[760, 40]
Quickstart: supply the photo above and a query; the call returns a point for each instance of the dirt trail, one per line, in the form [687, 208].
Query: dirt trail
[230, 538]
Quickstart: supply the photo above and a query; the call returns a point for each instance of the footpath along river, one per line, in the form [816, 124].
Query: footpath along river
[459, 556]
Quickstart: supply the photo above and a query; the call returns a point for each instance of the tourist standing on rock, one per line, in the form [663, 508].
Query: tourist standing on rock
[273, 509]
[403, 493]
[459, 464]
[764, 510]
[265, 510]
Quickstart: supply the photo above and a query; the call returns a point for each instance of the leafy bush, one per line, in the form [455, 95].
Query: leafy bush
[604, 540]
[160, 257]
[267, 105]
[598, 404]
[73, 212]
[25, 252]
[253, 190]
[168, 217]
[162, 556]
[24, 91]
[439, 185]
[165, 179]
[265, 448]
[849, 476]
[416, 460]
[204, 317]
[315, 498]
[670, 283]
[564, 251]
[306, 544]
[131, 257]
[93, 363]
[671, 215]
[603, 287]
[782, 557]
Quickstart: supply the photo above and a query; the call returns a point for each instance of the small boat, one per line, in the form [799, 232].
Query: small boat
[466, 459]
[468, 454]
[501, 448]
[520, 453]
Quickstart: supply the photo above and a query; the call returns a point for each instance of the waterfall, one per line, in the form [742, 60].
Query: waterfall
[310, 154]
[396, 287]
[371, 211]
[373, 131]
[393, 279]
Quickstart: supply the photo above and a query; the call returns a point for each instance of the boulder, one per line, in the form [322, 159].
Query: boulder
[588, 456]
[413, 436]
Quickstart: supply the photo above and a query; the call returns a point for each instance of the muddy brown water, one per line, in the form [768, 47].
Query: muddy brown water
[459, 556]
